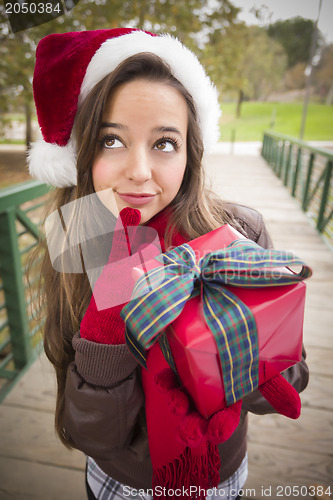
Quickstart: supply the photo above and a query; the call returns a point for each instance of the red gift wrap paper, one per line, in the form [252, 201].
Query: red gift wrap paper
[278, 312]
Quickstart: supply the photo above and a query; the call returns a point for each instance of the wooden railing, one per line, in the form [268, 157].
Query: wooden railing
[21, 211]
[307, 172]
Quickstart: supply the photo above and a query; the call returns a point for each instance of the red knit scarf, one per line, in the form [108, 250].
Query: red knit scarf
[179, 471]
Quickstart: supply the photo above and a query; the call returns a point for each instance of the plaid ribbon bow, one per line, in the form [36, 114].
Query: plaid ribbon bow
[160, 296]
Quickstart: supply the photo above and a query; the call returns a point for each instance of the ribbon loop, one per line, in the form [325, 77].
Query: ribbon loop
[149, 314]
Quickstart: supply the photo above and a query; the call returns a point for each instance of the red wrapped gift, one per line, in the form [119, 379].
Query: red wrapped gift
[278, 313]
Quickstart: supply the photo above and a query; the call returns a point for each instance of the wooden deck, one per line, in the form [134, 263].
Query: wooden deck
[282, 453]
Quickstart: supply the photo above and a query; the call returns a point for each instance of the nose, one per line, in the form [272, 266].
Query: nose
[139, 168]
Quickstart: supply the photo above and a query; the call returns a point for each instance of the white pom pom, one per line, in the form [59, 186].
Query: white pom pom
[55, 165]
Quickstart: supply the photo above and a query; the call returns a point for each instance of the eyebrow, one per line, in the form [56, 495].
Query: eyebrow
[168, 129]
[119, 126]
[112, 125]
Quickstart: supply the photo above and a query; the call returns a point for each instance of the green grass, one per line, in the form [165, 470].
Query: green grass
[258, 116]
[18, 117]
[11, 141]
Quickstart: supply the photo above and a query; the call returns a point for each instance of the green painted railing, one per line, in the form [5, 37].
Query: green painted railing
[307, 172]
[21, 212]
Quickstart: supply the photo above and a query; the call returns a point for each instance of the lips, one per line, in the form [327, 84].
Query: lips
[137, 198]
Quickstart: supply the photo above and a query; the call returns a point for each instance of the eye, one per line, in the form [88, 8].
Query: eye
[111, 142]
[167, 145]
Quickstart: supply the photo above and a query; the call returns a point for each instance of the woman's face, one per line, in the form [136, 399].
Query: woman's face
[141, 152]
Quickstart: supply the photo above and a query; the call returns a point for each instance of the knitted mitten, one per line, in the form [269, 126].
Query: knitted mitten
[282, 396]
[100, 323]
[221, 425]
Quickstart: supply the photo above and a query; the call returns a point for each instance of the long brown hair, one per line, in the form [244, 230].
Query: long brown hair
[196, 210]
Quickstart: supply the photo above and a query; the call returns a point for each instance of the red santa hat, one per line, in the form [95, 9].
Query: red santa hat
[69, 65]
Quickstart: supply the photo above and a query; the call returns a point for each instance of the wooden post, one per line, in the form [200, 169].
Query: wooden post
[12, 277]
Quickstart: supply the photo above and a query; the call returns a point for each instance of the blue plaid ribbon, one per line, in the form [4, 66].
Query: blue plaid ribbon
[161, 294]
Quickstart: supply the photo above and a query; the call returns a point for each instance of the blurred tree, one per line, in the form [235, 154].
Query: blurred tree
[16, 66]
[295, 36]
[251, 64]
[190, 20]
[17, 60]
[223, 56]
[295, 77]
[265, 62]
[323, 75]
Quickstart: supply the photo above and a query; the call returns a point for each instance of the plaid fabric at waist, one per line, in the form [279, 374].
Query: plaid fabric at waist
[107, 488]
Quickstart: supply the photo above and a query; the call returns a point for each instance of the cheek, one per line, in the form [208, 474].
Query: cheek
[180, 174]
[101, 172]
[175, 177]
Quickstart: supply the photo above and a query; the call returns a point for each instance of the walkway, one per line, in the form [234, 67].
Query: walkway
[282, 453]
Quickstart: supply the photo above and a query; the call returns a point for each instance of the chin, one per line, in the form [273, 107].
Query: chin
[146, 214]
[145, 218]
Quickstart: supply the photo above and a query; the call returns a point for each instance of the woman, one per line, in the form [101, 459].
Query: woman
[131, 112]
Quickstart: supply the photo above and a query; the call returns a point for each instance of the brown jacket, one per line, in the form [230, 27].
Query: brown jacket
[104, 400]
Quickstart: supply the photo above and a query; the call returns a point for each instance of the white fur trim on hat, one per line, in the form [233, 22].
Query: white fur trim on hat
[58, 162]
[184, 65]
